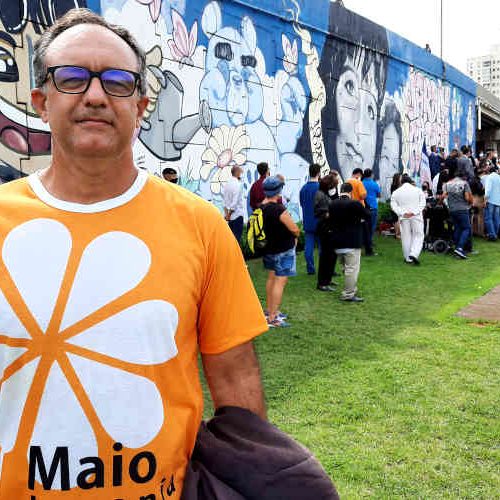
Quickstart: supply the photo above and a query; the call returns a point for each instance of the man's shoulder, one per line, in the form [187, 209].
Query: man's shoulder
[310, 186]
[14, 188]
[181, 198]
[257, 183]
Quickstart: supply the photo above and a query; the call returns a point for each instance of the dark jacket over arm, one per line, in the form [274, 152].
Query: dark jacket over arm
[239, 456]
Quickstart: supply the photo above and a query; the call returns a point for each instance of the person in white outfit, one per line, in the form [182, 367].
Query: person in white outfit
[232, 195]
[408, 202]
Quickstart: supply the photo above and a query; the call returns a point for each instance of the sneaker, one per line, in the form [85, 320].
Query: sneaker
[414, 260]
[279, 315]
[333, 283]
[311, 273]
[325, 288]
[352, 299]
[278, 323]
[460, 253]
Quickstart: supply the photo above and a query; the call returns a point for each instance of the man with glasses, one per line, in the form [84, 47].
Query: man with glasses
[111, 282]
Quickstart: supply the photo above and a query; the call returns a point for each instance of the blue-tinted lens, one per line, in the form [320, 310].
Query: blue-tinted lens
[118, 82]
[71, 79]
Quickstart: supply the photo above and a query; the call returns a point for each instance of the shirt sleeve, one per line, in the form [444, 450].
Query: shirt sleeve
[230, 313]
[395, 205]
[230, 196]
[362, 190]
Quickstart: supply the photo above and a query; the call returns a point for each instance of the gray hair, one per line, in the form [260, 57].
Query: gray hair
[75, 17]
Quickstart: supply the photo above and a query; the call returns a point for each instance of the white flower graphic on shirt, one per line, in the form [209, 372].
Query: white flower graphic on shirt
[84, 349]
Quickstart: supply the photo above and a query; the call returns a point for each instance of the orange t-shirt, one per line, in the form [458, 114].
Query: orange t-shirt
[103, 309]
[358, 190]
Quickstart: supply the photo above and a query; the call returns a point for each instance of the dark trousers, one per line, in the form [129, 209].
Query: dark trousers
[236, 227]
[368, 236]
[327, 259]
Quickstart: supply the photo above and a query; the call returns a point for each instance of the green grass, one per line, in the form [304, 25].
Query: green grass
[397, 397]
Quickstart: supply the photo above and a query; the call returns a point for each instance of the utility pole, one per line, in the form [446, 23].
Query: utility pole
[441, 30]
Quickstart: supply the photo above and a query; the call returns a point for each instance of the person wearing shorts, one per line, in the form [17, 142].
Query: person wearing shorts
[279, 254]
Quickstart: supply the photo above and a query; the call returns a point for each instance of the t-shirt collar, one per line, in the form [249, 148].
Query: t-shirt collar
[101, 206]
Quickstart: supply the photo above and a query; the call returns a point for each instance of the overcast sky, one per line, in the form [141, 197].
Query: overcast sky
[469, 27]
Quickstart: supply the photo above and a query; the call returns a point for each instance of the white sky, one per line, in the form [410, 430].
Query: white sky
[469, 27]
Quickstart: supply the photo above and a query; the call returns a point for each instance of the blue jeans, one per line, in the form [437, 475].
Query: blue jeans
[236, 227]
[492, 220]
[283, 264]
[311, 239]
[462, 230]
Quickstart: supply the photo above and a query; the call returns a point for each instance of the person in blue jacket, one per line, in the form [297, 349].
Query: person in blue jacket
[372, 196]
[307, 194]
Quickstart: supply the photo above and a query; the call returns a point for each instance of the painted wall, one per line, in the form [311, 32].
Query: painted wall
[239, 82]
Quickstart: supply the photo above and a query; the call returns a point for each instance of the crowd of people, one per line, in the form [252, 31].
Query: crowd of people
[340, 219]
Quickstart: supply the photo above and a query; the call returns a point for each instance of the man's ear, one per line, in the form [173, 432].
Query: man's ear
[39, 101]
[142, 104]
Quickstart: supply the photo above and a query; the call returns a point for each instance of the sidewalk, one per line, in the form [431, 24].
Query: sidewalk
[487, 307]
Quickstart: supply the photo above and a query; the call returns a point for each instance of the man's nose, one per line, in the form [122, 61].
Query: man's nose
[95, 94]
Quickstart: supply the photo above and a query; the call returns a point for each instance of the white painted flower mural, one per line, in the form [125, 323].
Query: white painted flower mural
[291, 52]
[154, 8]
[226, 147]
[183, 44]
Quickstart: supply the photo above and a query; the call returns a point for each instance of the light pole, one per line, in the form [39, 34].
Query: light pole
[441, 30]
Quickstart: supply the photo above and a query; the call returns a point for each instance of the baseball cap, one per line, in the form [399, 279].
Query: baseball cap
[272, 186]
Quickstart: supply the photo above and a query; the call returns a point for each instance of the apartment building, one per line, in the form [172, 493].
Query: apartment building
[485, 70]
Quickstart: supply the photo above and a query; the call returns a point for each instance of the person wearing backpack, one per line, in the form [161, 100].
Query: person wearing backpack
[279, 252]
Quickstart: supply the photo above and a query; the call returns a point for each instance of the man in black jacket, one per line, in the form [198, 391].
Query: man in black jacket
[347, 218]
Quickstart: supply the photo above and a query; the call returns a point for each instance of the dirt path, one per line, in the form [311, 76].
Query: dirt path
[487, 307]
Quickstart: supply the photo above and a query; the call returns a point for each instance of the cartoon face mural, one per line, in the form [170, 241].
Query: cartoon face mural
[235, 86]
[354, 74]
[391, 139]
[24, 139]
[230, 85]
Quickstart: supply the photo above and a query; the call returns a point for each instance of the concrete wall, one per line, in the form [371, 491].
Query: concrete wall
[239, 82]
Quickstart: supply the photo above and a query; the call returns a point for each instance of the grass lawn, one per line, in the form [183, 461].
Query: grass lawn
[397, 397]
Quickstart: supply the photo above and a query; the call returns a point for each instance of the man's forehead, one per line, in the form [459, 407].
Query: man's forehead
[90, 40]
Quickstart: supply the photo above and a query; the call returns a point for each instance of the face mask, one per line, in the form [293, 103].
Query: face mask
[332, 191]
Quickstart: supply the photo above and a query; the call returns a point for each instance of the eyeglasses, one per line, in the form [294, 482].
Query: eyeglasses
[76, 80]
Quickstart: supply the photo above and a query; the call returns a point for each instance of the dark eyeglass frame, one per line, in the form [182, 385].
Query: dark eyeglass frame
[92, 74]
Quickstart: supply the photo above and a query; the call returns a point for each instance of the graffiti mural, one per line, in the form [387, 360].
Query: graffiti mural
[235, 84]
[354, 75]
[24, 139]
